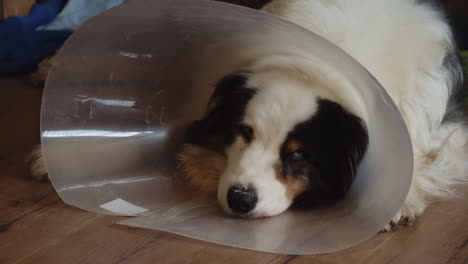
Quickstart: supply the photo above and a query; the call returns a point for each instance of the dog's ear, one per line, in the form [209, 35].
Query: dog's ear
[225, 111]
[336, 141]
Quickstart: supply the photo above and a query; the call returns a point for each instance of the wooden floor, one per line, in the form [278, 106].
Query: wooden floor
[37, 227]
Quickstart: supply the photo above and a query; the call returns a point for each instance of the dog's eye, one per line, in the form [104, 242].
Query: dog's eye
[296, 155]
[246, 132]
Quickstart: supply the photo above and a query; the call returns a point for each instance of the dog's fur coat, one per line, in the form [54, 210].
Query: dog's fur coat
[407, 45]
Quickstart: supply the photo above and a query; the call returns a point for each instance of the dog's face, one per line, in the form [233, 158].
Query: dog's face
[269, 141]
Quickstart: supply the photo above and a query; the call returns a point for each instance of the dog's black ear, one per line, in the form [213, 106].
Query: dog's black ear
[225, 111]
[336, 142]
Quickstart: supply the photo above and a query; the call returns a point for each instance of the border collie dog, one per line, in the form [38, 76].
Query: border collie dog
[276, 136]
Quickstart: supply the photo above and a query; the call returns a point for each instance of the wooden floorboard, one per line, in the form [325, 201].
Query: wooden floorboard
[37, 227]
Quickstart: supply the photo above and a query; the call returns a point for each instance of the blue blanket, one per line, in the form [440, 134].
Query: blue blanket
[21, 46]
[26, 41]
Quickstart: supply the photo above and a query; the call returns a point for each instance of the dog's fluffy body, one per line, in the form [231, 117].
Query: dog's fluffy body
[406, 44]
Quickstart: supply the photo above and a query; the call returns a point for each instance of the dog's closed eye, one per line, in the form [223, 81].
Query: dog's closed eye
[293, 151]
[246, 132]
[297, 155]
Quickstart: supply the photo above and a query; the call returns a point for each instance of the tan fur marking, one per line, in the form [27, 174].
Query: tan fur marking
[293, 145]
[294, 186]
[201, 168]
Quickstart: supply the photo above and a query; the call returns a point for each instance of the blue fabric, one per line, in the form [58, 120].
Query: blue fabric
[21, 46]
[76, 12]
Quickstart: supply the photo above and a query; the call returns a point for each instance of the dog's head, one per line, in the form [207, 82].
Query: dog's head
[273, 138]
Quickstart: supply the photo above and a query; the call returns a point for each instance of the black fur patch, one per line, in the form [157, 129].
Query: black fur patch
[226, 110]
[257, 4]
[456, 110]
[434, 3]
[333, 142]
[453, 63]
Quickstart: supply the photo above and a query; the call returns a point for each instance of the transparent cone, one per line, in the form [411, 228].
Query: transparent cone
[129, 80]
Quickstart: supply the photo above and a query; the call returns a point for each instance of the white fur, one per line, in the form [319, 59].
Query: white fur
[403, 44]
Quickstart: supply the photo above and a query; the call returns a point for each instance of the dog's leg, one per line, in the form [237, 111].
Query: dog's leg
[438, 166]
[36, 163]
[413, 206]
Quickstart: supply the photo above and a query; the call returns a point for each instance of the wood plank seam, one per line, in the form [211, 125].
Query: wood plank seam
[458, 251]
[5, 227]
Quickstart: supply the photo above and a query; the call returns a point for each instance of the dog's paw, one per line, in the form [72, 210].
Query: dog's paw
[35, 161]
[400, 219]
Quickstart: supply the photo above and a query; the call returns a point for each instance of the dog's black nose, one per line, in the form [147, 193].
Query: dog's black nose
[241, 200]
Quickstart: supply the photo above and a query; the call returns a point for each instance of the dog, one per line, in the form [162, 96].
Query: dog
[281, 133]
[278, 134]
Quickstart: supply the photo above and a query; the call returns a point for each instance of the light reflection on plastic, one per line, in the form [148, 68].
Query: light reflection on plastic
[124, 103]
[100, 133]
[107, 182]
[129, 54]
[135, 55]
